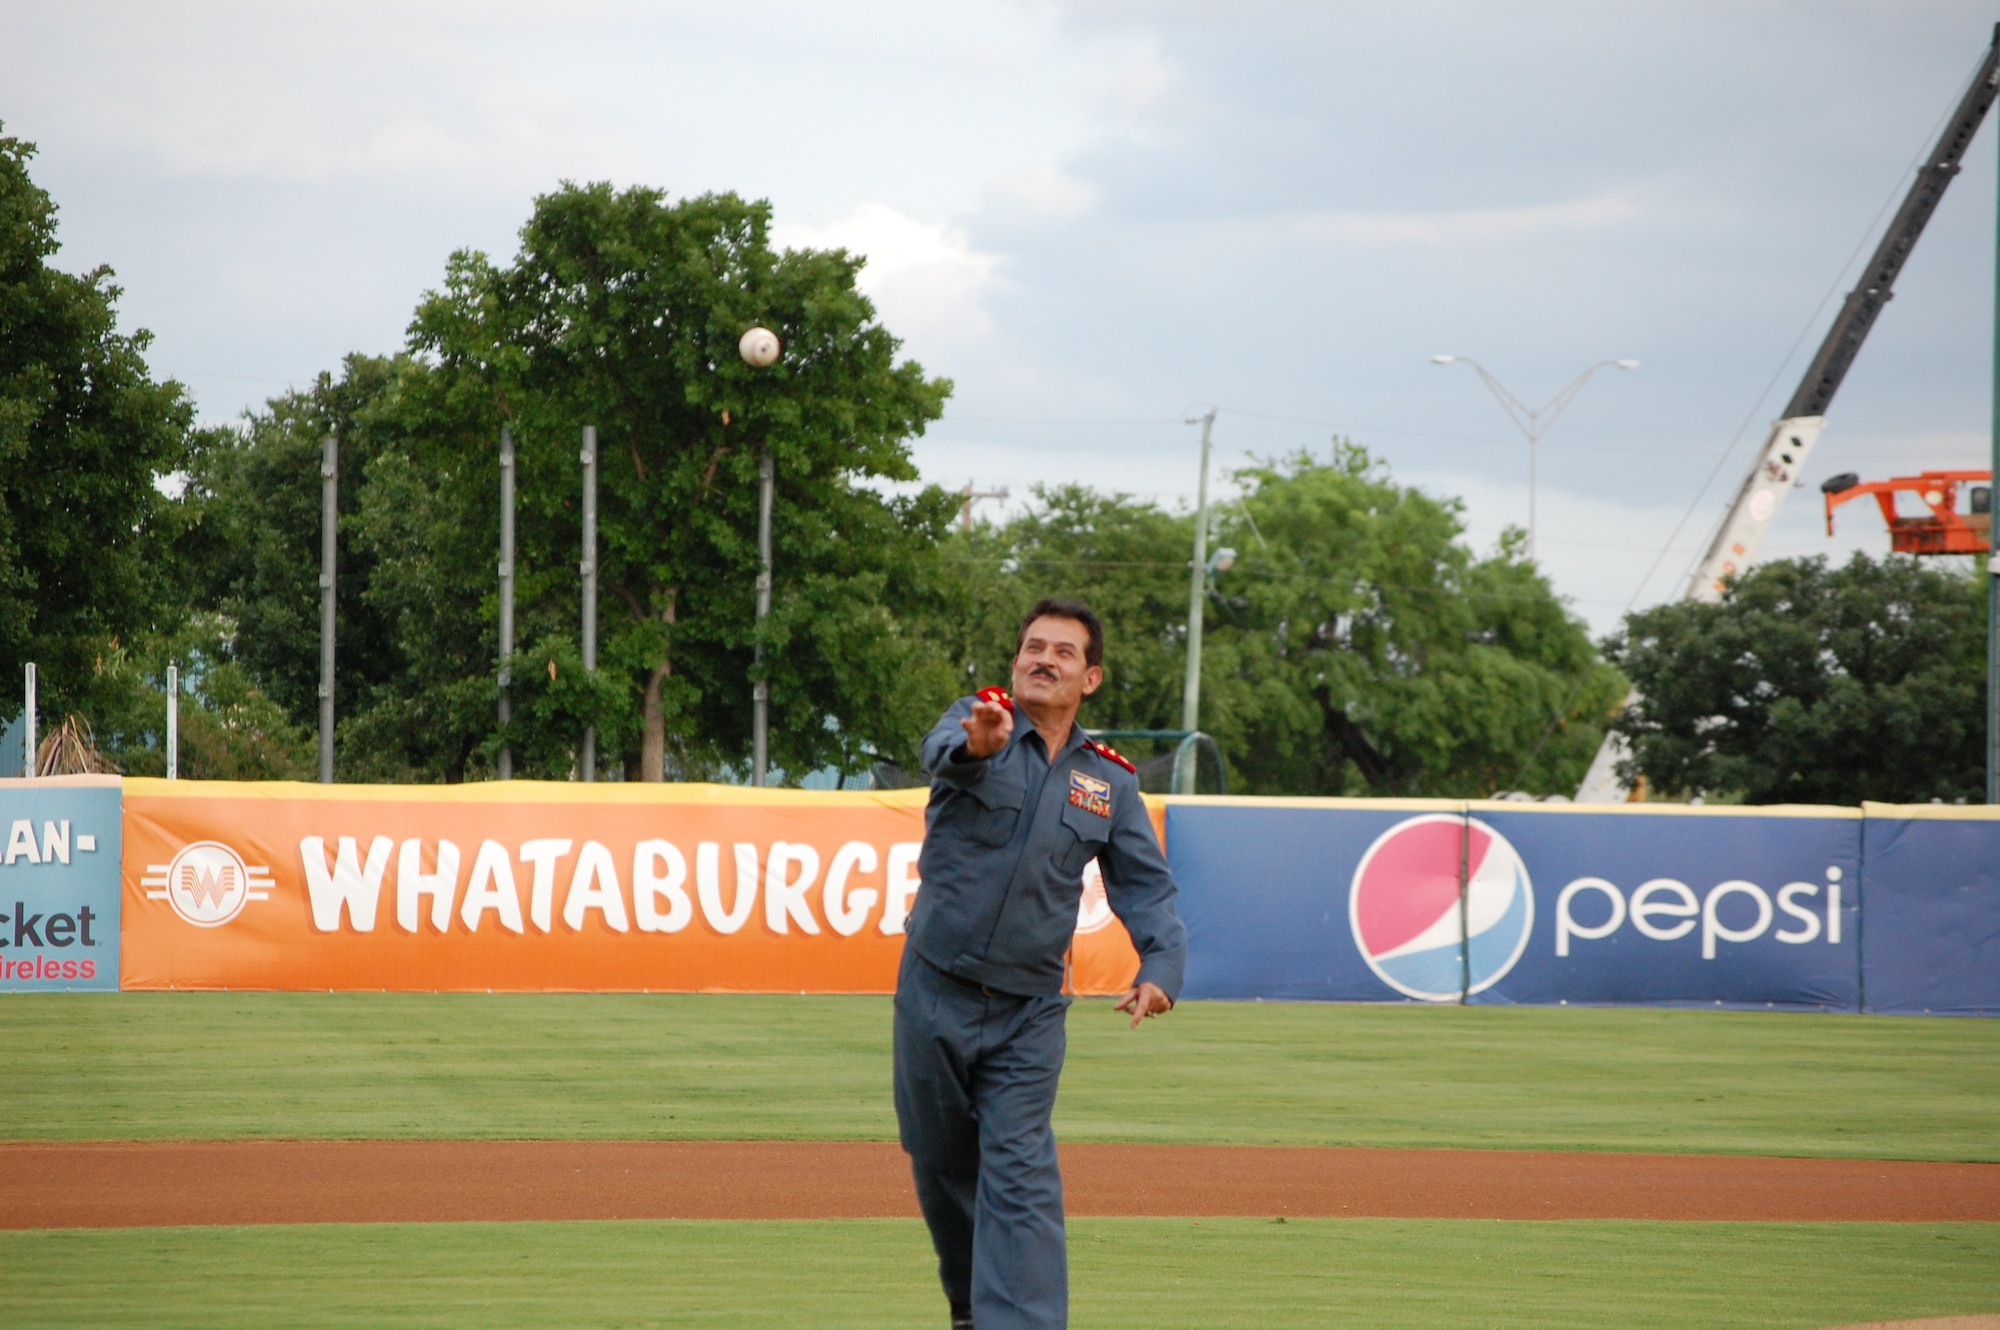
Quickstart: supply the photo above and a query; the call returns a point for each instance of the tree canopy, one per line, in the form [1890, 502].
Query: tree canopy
[1813, 684]
[621, 311]
[88, 540]
[1356, 646]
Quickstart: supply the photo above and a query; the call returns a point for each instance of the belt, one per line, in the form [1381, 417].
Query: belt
[986, 990]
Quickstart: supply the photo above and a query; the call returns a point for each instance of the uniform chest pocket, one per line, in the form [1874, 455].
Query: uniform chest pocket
[1089, 831]
[991, 809]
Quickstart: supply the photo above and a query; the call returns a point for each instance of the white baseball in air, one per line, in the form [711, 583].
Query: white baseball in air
[759, 347]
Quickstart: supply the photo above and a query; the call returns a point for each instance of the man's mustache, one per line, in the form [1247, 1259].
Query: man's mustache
[1044, 672]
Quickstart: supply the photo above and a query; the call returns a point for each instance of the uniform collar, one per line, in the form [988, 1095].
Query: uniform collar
[1025, 726]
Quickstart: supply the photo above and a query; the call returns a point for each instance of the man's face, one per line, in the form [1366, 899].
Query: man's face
[1049, 670]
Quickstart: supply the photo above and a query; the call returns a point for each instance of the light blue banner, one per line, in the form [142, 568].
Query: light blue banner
[59, 889]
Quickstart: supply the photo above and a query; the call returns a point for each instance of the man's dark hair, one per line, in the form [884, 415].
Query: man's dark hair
[1052, 607]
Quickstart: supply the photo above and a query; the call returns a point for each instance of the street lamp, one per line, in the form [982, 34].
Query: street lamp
[1533, 421]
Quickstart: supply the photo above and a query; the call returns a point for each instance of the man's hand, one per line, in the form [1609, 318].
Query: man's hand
[1145, 1000]
[987, 729]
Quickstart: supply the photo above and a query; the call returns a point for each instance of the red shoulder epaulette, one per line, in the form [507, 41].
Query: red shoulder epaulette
[1106, 750]
[999, 695]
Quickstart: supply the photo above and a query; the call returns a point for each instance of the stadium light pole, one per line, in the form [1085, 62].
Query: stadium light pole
[1533, 422]
[28, 738]
[329, 522]
[589, 569]
[173, 722]
[506, 596]
[760, 349]
[760, 687]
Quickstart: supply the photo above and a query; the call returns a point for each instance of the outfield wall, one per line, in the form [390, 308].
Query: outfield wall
[529, 886]
[1880, 908]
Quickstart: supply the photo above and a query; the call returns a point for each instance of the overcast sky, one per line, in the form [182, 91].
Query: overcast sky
[1102, 219]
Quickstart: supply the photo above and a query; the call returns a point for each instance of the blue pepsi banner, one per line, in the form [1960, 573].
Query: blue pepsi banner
[59, 883]
[1275, 893]
[1932, 943]
[1341, 900]
[1732, 907]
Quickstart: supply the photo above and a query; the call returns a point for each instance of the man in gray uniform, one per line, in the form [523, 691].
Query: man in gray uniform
[1017, 811]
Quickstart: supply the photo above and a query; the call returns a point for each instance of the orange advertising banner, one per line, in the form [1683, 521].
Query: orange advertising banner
[536, 886]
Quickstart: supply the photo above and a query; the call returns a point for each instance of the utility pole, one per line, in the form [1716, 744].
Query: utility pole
[1197, 595]
[506, 594]
[760, 689]
[590, 587]
[329, 518]
[972, 496]
[173, 722]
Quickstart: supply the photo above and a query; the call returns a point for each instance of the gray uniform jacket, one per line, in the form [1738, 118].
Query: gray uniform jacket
[1006, 840]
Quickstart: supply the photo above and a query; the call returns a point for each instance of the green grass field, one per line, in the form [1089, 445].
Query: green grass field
[221, 1065]
[218, 1066]
[859, 1275]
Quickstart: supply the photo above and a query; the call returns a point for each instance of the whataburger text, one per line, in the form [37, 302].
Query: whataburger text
[531, 888]
[658, 887]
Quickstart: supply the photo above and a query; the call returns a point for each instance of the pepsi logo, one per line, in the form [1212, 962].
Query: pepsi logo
[1409, 923]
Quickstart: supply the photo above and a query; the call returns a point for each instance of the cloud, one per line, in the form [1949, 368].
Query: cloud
[438, 92]
[925, 278]
[1047, 193]
[1142, 81]
[1469, 226]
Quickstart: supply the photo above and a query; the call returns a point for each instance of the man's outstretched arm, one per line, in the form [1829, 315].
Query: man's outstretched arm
[971, 731]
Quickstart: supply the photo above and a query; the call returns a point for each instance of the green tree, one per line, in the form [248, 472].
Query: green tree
[1813, 684]
[89, 553]
[1125, 557]
[259, 495]
[229, 728]
[1373, 652]
[623, 311]
[1355, 647]
[620, 311]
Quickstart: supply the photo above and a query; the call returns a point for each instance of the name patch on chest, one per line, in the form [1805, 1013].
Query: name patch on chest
[1090, 794]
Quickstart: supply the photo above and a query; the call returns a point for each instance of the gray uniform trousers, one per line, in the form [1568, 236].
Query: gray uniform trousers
[976, 1075]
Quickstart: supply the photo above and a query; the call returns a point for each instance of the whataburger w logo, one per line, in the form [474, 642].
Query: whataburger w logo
[208, 884]
[1093, 908]
[1406, 914]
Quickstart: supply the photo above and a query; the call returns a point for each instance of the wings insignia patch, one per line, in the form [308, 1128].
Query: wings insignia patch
[1090, 794]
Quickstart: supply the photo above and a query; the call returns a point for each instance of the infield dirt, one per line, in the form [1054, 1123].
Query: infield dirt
[139, 1184]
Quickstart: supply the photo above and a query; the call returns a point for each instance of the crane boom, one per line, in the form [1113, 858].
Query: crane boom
[1740, 535]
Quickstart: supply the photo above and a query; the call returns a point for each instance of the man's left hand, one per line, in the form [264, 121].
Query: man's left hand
[1144, 1000]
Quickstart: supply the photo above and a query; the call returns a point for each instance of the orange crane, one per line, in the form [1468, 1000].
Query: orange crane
[1736, 542]
[1944, 529]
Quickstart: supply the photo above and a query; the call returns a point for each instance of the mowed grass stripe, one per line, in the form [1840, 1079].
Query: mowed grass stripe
[861, 1274]
[475, 1066]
